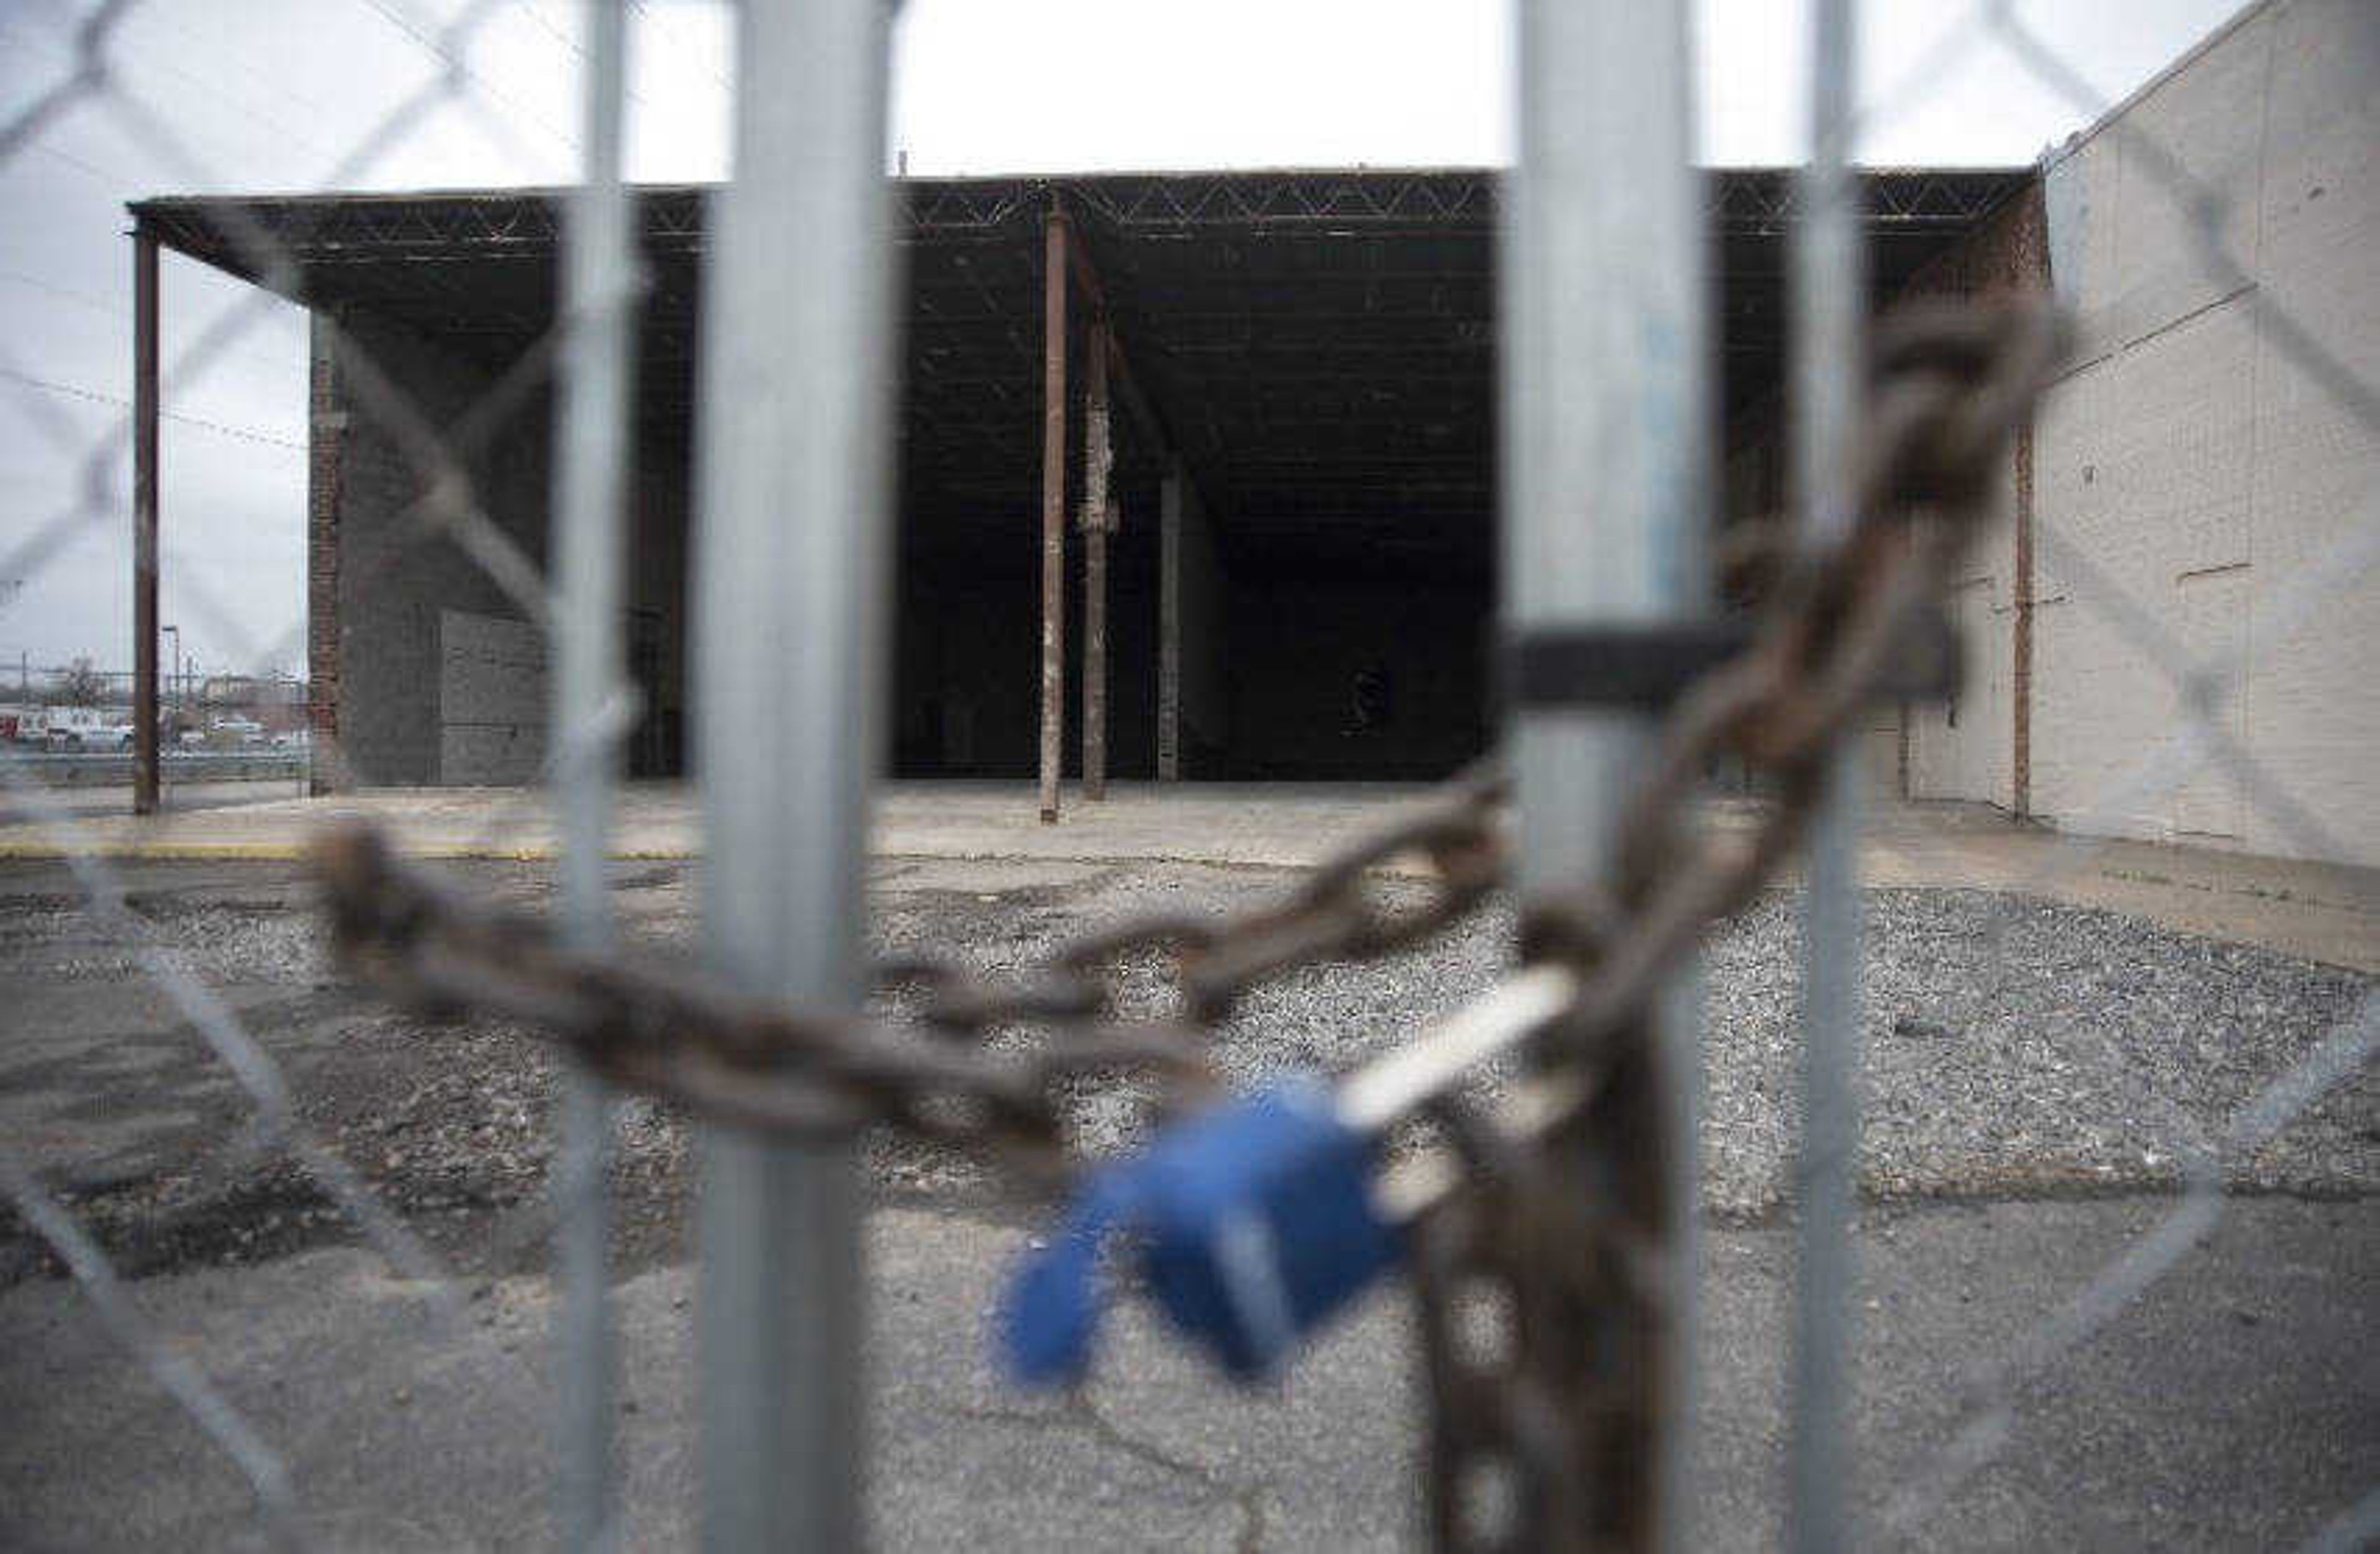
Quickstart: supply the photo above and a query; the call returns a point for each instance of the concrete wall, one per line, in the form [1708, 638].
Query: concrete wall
[425, 670]
[492, 699]
[395, 580]
[1968, 746]
[2191, 464]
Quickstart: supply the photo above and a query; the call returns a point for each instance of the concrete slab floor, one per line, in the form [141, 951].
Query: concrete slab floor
[2321, 912]
[1278, 824]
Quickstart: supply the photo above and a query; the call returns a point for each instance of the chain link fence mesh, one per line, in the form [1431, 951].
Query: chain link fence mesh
[441, 452]
[448, 510]
[2000, 1387]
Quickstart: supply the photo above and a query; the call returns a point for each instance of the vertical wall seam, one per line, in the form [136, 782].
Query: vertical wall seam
[2256, 389]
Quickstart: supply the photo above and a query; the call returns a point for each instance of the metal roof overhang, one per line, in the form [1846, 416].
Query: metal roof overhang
[1320, 344]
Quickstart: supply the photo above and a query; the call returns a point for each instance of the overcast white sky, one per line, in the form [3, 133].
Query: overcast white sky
[278, 94]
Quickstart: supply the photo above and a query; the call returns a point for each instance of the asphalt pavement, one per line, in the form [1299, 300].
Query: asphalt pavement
[2237, 1407]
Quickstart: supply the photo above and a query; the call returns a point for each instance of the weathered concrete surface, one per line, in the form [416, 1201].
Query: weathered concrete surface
[2322, 911]
[1284, 825]
[2233, 1408]
[2237, 1407]
[2327, 913]
[2197, 480]
[2194, 461]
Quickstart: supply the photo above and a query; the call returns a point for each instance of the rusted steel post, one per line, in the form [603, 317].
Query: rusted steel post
[144, 521]
[1053, 508]
[1098, 457]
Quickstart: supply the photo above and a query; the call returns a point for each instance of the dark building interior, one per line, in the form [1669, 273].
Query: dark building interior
[1307, 445]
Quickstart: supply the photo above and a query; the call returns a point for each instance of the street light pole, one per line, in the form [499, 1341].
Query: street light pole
[178, 683]
[174, 686]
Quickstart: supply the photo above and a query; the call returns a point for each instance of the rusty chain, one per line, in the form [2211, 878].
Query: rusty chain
[664, 1032]
[1547, 1430]
[1544, 1279]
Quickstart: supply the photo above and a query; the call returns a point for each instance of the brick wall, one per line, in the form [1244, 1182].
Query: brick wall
[327, 423]
[390, 573]
[1976, 746]
[383, 588]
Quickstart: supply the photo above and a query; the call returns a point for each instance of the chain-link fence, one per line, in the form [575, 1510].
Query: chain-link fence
[2206, 251]
[1553, 1236]
[591, 334]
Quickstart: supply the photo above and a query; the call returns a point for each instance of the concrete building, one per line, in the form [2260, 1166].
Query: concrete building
[2189, 491]
[1275, 398]
[1295, 372]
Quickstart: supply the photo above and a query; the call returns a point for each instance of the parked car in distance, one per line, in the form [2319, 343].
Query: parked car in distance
[234, 731]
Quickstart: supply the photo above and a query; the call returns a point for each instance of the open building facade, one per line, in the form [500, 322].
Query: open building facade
[1258, 411]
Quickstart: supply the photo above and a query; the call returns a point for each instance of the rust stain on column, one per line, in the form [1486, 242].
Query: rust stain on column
[144, 521]
[1099, 455]
[1053, 508]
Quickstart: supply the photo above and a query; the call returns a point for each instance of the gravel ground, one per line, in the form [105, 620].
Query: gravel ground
[2015, 1047]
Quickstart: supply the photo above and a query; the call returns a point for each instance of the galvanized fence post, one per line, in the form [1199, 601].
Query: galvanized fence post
[1828, 293]
[592, 434]
[790, 542]
[1605, 457]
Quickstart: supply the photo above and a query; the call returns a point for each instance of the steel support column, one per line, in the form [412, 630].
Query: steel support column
[1126, 387]
[144, 521]
[1098, 458]
[1053, 509]
[1111, 382]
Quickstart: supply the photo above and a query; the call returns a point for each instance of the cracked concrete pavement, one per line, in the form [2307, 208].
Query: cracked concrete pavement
[2237, 1407]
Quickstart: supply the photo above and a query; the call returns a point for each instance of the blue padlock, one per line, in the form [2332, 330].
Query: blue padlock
[1251, 1225]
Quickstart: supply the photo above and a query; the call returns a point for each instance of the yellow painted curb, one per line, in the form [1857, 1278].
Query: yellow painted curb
[295, 850]
[267, 851]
